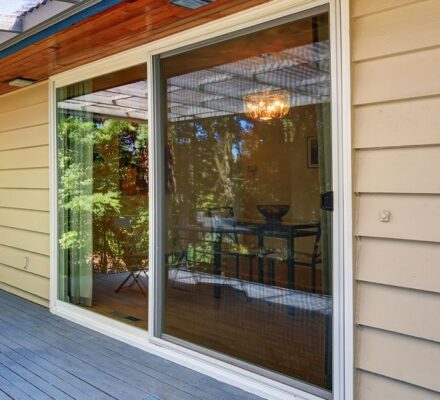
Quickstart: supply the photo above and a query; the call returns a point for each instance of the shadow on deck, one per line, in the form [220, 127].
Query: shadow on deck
[43, 356]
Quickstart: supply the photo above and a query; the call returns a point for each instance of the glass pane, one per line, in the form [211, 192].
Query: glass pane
[248, 164]
[103, 195]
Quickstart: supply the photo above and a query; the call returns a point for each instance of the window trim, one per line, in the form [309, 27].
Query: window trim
[343, 368]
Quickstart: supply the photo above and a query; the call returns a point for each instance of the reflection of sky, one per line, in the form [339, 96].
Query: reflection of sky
[13, 7]
[246, 125]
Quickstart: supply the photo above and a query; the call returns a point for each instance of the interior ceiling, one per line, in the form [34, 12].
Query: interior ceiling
[303, 71]
[124, 26]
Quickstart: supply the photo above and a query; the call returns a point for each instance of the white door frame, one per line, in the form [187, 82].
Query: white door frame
[343, 367]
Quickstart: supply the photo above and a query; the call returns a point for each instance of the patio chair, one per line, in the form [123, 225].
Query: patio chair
[136, 261]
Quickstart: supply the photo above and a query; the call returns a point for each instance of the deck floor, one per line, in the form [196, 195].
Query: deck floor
[45, 357]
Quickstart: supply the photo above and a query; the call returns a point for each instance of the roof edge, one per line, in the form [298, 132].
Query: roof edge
[55, 24]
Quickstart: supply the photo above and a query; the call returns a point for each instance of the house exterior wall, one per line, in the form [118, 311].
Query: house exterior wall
[396, 104]
[24, 193]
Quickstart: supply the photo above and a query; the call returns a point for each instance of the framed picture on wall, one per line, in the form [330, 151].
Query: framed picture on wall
[312, 152]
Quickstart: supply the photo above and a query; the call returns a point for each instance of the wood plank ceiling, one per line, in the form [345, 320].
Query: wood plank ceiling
[127, 25]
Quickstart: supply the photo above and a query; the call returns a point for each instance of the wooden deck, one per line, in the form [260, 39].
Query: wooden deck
[44, 357]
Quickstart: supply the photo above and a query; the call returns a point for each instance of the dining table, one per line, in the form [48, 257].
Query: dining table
[217, 228]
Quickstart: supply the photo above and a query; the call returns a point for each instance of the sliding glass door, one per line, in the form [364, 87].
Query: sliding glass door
[248, 201]
[242, 193]
[103, 207]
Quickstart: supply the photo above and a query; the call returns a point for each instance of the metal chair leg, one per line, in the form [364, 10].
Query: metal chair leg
[136, 280]
[124, 282]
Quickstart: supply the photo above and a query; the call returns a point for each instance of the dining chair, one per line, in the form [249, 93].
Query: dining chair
[307, 259]
[231, 245]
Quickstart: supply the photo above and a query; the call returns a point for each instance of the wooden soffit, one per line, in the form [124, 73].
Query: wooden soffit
[124, 26]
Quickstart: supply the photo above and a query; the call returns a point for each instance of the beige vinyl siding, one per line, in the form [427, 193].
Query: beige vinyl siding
[24, 193]
[400, 357]
[374, 386]
[412, 217]
[382, 125]
[388, 307]
[399, 30]
[400, 170]
[392, 263]
[396, 137]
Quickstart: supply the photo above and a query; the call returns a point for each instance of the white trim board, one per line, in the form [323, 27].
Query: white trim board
[341, 129]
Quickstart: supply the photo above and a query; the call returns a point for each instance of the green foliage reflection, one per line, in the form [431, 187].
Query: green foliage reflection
[103, 170]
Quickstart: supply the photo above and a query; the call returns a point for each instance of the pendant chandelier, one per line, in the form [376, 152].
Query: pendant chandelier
[267, 105]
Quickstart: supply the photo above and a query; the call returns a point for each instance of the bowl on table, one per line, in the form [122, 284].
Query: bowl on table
[273, 213]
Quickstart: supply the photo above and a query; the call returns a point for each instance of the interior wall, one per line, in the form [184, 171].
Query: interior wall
[24, 193]
[279, 168]
[396, 100]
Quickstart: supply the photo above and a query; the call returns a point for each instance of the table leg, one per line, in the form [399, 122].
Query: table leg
[271, 272]
[217, 264]
[251, 268]
[290, 260]
[260, 256]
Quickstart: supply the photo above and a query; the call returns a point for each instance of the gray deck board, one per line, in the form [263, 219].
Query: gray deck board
[25, 383]
[12, 391]
[53, 378]
[138, 371]
[40, 387]
[44, 357]
[65, 379]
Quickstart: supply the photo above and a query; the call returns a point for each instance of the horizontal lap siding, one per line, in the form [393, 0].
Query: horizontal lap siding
[366, 7]
[400, 357]
[27, 199]
[397, 124]
[403, 263]
[24, 117]
[396, 138]
[373, 386]
[412, 217]
[30, 157]
[24, 193]
[399, 30]
[13, 257]
[25, 240]
[25, 281]
[397, 77]
[402, 170]
[389, 308]
[37, 221]
[34, 178]
[25, 137]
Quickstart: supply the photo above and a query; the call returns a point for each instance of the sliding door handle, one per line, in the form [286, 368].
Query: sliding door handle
[327, 201]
